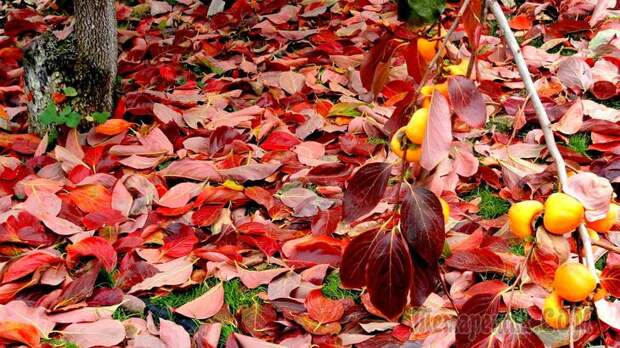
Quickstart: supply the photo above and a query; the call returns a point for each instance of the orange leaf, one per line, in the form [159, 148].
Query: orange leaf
[113, 126]
[92, 246]
[91, 198]
[521, 22]
[20, 332]
[3, 114]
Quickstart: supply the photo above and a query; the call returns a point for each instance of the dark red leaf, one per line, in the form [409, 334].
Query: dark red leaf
[79, 289]
[477, 260]
[541, 266]
[471, 22]
[365, 190]
[425, 278]
[476, 319]
[389, 273]
[604, 90]
[323, 309]
[610, 280]
[92, 246]
[373, 71]
[259, 320]
[134, 274]
[415, 63]
[466, 101]
[106, 297]
[355, 260]
[422, 224]
[329, 174]
[99, 218]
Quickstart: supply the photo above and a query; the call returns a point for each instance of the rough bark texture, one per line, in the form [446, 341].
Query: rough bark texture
[86, 61]
[95, 31]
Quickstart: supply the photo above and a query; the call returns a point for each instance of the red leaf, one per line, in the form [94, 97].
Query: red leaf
[476, 320]
[389, 274]
[438, 136]
[259, 320]
[365, 190]
[92, 246]
[180, 243]
[278, 140]
[520, 22]
[355, 260]
[29, 263]
[20, 332]
[466, 101]
[314, 250]
[329, 174]
[79, 289]
[326, 221]
[422, 224]
[91, 198]
[424, 281]
[373, 71]
[134, 274]
[520, 336]
[610, 280]
[109, 217]
[471, 22]
[541, 266]
[477, 260]
[415, 63]
[323, 309]
[207, 215]
[604, 90]
[316, 328]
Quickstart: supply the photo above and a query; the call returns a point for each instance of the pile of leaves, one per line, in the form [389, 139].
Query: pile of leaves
[213, 206]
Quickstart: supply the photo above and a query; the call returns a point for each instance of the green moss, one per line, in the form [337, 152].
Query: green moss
[58, 343]
[519, 315]
[500, 124]
[601, 262]
[122, 314]
[237, 295]
[333, 289]
[611, 103]
[491, 205]
[373, 140]
[177, 299]
[517, 249]
[227, 330]
[579, 143]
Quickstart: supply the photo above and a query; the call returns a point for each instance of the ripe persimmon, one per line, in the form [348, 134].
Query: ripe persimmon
[605, 224]
[414, 152]
[427, 91]
[562, 214]
[426, 48]
[554, 313]
[573, 282]
[416, 127]
[521, 215]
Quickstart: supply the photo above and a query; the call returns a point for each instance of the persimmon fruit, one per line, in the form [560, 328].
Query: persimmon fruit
[562, 213]
[414, 152]
[605, 224]
[573, 282]
[416, 128]
[521, 215]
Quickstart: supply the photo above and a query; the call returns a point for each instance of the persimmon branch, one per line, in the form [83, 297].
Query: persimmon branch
[607, 246]
[543, 119]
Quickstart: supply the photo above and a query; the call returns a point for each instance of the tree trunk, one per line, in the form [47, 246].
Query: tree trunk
[85, 61]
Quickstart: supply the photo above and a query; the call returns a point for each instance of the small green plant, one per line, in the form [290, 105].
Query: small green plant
[517, 249]
[227, 330]
[51, 116]
[579, 143]
[122, 315]
[177, 299]
[237, 295]
[333, 289]
[374, 140]
[500, 124]
[491, 205]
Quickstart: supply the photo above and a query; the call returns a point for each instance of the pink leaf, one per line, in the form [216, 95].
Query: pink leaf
[255, 171]
[253, 279]
[192, 169]
[609, 312]
[106, 332]
[251, 342]
[204, 306]
[467, 101]
[571, 121]
[438, 136]
[179, 195]
[593, 192]
[173, 335]
[575, 74]
[291, 82]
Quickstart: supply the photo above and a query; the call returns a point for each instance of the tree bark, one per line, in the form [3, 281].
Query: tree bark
[85, 61]
[95, 32]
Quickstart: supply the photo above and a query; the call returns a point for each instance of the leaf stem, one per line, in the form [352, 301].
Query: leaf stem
[543, 119]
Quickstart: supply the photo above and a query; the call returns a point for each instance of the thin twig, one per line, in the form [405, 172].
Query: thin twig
[543, 119]
[607, 246]
[442, 277]
[571, 327]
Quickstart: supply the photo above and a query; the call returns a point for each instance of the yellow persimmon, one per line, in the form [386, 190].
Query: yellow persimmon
[562, 214]
[458, 69]
[416, 127]
[573, 282]
[426, 49]
[427, 90]
[605, 224]
[521, 215]
[554, 313]
[414, 152]
[445, 209]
